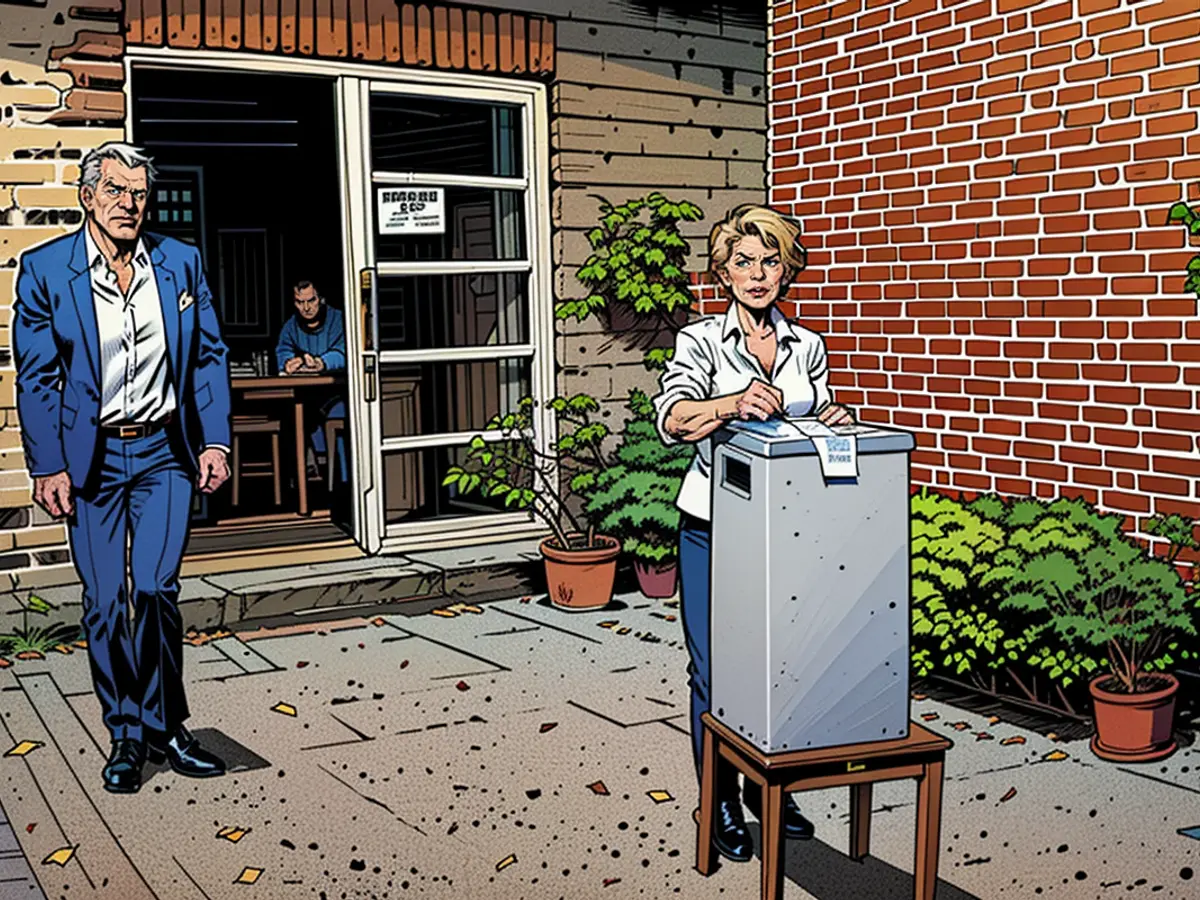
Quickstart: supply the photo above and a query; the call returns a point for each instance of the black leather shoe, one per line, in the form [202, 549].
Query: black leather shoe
[730, 834]
[123, 772]
[186, 756]
[795, 826]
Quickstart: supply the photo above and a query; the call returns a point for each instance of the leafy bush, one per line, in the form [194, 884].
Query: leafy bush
[638, 257]
[513, 468]
[1094, 594]
[634, 499]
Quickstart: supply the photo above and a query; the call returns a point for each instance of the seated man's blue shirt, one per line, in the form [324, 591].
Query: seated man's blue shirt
[327, 342]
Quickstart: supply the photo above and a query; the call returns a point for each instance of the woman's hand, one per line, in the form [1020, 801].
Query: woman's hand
[836, 414]
[759, 401]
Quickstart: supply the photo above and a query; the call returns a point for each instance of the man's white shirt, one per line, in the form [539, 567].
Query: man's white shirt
[711, 360]
[135, 383]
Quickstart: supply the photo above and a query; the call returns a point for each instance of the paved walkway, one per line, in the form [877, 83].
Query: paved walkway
[511, 753]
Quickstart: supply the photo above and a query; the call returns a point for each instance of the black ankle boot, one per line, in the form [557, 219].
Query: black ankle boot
[795, 826]
[730, 834]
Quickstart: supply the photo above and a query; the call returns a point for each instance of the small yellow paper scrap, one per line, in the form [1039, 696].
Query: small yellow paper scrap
[506, 862]
[59, 857]
[1056, 756]
[624, 629]
[445, 613]
[1015, 739]
[659, 796]
[286, 708]
[249, 875]
[232, 834]
[23, 748]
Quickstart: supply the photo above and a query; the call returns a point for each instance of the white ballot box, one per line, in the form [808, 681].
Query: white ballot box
[810, 583]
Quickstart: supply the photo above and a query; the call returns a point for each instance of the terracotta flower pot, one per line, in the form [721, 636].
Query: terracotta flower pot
[656, 580]
[1134, 727]
[581, 579]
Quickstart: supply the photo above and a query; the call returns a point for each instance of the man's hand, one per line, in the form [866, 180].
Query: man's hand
[836, 414]
[53, 494]
[293, 365]
[759, 401]
[313, 363]
[214, 470]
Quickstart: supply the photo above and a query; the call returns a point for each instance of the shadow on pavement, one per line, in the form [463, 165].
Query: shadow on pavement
[828, 874]
[238, 758]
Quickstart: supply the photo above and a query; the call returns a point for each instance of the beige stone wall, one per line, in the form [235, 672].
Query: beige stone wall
[59, 93]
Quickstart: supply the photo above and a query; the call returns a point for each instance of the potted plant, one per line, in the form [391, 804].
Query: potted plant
[634, 499]
[1100, 591]
[580, 564]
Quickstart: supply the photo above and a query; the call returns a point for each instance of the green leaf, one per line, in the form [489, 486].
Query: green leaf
[453, 473]
[1178, 211]
[38, 605]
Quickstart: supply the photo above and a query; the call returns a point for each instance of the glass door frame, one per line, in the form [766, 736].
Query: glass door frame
[352, 95]
[354, 100]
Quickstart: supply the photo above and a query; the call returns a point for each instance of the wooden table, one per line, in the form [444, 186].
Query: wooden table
[289, 387]
[921, 755]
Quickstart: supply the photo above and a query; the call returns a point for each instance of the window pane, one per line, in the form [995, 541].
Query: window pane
[478, 223]
[437, 312]
[433, 398]
[457, 137]
[413, 489]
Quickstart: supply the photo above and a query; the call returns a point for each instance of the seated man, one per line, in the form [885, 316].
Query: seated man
[312, 341]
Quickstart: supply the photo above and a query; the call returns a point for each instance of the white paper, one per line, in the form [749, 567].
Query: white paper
[838, 454]
[411, 210]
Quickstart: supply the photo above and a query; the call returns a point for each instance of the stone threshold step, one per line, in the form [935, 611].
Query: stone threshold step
[323, 589]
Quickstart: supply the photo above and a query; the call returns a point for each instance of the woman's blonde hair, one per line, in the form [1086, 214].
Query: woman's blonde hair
[775, 231]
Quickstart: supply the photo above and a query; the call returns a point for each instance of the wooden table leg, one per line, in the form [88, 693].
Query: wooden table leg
[860, 820]
[929, 825]
[772, 842]
[708, 803]
[301, 467]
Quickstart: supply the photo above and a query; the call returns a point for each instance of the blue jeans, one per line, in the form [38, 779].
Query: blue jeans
[142, 493]
[694, 554]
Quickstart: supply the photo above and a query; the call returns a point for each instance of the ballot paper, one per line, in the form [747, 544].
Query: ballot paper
[838, 453]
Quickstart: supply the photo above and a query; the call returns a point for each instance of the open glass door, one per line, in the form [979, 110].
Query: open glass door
[450, 249]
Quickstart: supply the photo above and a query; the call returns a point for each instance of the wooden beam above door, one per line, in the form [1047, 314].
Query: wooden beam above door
[423, 35]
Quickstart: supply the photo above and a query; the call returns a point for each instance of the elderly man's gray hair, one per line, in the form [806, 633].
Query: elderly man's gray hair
[126, 154]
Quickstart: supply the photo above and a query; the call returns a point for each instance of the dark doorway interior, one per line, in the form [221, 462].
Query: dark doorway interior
[249, 173]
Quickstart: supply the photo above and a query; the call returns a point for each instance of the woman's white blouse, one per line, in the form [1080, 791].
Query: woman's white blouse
[711, 360]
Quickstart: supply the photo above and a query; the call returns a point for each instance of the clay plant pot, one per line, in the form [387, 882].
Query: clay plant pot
[1134, 727]
[581, 580]
[656, 580]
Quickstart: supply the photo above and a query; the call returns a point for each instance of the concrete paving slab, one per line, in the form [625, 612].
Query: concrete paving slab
[245, 657]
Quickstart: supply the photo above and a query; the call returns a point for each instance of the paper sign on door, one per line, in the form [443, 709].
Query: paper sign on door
[404, 210]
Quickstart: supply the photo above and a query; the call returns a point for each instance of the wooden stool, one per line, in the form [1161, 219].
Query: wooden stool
[921, 755]
[333, 427]
[240, 425]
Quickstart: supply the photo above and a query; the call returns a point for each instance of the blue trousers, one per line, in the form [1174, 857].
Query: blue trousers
[694, 554]
[141, 496]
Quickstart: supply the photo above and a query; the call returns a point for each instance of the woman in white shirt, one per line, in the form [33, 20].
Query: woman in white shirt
[751, 363]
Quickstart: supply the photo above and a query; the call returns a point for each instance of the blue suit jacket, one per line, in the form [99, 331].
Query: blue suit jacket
[56, 343]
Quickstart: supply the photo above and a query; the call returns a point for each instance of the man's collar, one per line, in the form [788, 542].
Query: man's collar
[783, 328]
[95, 256]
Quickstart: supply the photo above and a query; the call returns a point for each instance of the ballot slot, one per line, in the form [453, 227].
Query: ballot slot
[735, 475]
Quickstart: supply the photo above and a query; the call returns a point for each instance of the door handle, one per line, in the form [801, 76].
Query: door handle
[369, 376]
[366, 278]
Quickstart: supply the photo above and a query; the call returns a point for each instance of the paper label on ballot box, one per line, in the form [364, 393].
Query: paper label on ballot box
[838, 454]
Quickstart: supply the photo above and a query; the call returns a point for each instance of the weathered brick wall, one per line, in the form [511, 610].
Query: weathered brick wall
[984, 188]
[59, 96]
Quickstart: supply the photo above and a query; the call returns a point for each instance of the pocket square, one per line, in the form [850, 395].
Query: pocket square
[185, 300]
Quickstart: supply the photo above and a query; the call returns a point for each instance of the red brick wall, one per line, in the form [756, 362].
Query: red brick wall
[984, 190]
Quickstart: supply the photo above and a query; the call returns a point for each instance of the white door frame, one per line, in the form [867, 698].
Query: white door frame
[352, 95]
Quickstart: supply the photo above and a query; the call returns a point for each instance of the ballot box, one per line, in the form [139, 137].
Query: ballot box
[810, 586]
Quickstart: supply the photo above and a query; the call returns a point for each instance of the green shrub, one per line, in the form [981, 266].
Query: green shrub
[634, 499]
[1093, 595]
[1189, 219]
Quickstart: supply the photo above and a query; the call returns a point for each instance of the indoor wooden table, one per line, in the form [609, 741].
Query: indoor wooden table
[921, 755]
[289, 387]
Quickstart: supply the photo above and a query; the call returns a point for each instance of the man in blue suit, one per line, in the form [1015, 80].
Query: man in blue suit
[123, 398]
